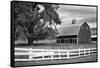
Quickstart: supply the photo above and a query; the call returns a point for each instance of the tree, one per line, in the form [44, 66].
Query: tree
[28, 18]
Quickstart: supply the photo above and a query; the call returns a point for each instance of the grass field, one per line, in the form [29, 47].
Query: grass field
[56, 46]
[92, 58]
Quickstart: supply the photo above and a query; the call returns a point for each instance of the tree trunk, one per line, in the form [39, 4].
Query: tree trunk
[30, 41]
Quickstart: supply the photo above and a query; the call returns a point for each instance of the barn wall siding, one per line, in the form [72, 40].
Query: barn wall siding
[84, 34]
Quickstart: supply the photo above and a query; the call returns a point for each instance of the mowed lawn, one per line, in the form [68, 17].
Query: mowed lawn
[90, 58]
[57, 45]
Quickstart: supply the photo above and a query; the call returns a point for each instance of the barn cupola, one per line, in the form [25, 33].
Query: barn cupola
[73, 21]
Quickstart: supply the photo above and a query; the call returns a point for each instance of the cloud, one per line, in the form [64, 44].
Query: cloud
[71, 9]
[80, 13]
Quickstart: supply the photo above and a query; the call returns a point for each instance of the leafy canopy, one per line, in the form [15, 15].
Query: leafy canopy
[28, 24]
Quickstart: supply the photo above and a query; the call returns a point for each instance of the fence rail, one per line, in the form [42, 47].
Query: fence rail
[52, 54]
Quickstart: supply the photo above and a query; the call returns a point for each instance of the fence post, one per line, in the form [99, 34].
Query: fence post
[84, 52]
[67, 54]
[89, 51]
[30, 54]
[43, 58]
[79, 52]
[59, 54]
[51, 55]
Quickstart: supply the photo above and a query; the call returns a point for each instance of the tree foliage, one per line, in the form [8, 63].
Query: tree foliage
[27, 20]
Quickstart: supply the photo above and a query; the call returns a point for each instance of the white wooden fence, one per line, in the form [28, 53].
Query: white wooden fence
[52, 54]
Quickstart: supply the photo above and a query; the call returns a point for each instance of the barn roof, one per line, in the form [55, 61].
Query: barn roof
[72, 29]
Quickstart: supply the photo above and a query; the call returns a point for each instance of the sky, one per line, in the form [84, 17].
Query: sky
[80, 13]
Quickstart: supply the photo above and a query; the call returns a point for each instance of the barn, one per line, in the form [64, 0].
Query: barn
[94, 34]
[75, 33]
